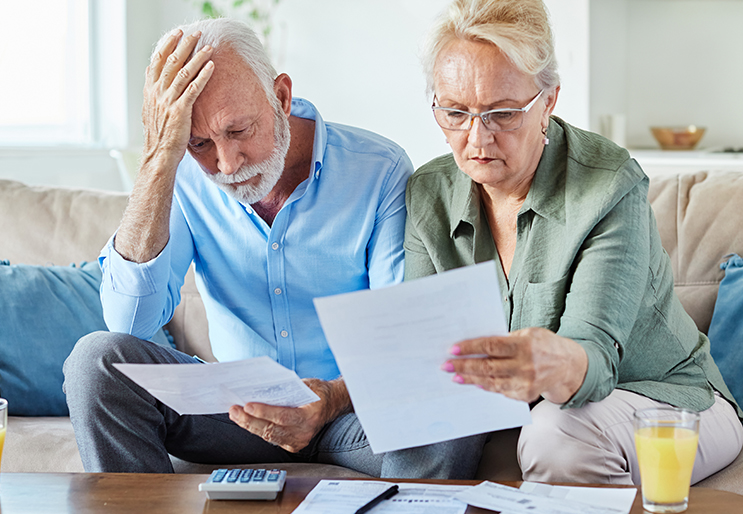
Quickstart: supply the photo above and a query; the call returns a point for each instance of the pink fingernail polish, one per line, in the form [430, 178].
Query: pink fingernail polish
[455, 350]
[458, 379]
[447, 366]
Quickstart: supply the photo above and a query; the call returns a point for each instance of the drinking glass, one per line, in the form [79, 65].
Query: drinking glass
[666, 442]
[3, 424]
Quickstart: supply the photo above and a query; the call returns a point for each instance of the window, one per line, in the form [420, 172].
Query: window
[48, 92]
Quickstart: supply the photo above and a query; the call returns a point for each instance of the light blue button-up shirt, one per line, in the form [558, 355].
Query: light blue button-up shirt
[341, 230]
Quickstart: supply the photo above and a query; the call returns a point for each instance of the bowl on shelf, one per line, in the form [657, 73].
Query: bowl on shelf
[678, 138]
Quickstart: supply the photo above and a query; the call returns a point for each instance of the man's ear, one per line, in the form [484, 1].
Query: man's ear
[282, 86]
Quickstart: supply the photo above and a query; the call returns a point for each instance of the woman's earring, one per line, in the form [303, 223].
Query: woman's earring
[546, 140]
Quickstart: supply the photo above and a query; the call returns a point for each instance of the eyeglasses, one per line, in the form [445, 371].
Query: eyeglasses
[497, 120]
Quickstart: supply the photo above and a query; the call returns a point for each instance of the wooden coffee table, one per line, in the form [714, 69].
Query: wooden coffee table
[178, 494]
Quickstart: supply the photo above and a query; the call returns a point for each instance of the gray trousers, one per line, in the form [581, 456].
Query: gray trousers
[120, 427]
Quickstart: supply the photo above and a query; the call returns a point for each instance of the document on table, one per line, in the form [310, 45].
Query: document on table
[345, 496]
[615, 498]
[548, 499]
[390, 343]
[214, 388]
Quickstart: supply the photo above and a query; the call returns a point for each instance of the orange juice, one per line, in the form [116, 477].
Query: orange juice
[2, 442]
[665, 455]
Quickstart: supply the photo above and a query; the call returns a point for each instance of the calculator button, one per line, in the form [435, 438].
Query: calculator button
[259, 475]
[218, 475]
[232, 476]
[245, 475]
[273, 476]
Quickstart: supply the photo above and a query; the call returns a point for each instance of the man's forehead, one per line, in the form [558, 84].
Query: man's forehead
[231, 71]
[233, 95]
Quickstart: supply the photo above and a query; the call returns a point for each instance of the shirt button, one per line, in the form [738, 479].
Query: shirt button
[616, 345]
[505, 298]
[277, 290]
[284, 333]
[250, 211]
[317, 174]
[275, 246]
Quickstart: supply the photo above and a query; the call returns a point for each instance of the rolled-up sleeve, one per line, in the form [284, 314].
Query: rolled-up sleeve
[609, 280]
[139, 298]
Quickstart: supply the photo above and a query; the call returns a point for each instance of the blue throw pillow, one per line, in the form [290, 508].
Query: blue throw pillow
[44, 311]
[726, 328]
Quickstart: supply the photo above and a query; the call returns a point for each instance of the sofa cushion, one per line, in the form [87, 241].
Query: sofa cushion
[58, 225]
[45, 310]
[40, 445]
[698, 217]
[726, 328]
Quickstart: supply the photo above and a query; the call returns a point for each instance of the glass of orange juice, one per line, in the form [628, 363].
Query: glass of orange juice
[666, 442]
[3, 424]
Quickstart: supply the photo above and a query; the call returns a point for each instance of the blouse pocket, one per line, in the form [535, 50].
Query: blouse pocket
[542, 304]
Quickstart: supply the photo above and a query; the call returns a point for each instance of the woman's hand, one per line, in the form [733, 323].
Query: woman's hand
[523, 365]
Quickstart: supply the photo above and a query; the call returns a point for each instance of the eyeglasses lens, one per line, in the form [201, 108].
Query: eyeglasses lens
[496, 121]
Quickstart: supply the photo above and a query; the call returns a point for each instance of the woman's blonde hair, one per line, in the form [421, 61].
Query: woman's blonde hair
[519, 28]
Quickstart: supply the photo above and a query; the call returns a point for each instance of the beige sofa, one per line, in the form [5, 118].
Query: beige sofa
[699, 217]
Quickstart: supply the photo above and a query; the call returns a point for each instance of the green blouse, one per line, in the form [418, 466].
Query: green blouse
[588, 265]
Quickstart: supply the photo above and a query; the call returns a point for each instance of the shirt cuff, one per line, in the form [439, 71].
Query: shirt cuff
[131, 278]
[587, 390]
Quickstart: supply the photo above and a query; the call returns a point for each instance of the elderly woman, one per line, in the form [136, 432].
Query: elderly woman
[596, 330]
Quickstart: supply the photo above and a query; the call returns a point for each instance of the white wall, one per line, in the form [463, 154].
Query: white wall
[608, 59]
[570, 24]
[357, 61]
[669, 62]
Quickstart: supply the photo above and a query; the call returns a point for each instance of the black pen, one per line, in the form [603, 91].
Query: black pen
[385, 495]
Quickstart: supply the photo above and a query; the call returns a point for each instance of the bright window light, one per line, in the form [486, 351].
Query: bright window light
[45, 95]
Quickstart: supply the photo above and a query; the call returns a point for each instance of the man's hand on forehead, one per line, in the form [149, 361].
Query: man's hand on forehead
[173, 81]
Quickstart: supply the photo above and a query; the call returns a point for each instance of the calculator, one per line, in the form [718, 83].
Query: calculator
[244, 484]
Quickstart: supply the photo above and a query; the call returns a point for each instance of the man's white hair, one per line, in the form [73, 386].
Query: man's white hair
[224, 33]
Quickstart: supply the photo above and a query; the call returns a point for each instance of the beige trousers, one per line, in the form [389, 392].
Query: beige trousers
[594, 443]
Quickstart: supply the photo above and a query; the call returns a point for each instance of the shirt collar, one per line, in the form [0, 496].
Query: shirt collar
[546, 195]
[465, 205]
[302, 108]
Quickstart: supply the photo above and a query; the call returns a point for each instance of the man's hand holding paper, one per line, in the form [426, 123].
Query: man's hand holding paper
[293, 428]
[214, 388]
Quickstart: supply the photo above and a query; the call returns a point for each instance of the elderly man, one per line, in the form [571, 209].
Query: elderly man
[275, 207]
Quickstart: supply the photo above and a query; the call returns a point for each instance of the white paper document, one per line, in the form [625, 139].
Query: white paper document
[214, 388]
[390, 344]
[345, 496]
[615, 498]
[546, 499]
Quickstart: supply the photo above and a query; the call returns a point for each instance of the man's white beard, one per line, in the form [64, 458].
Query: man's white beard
[270, 170]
